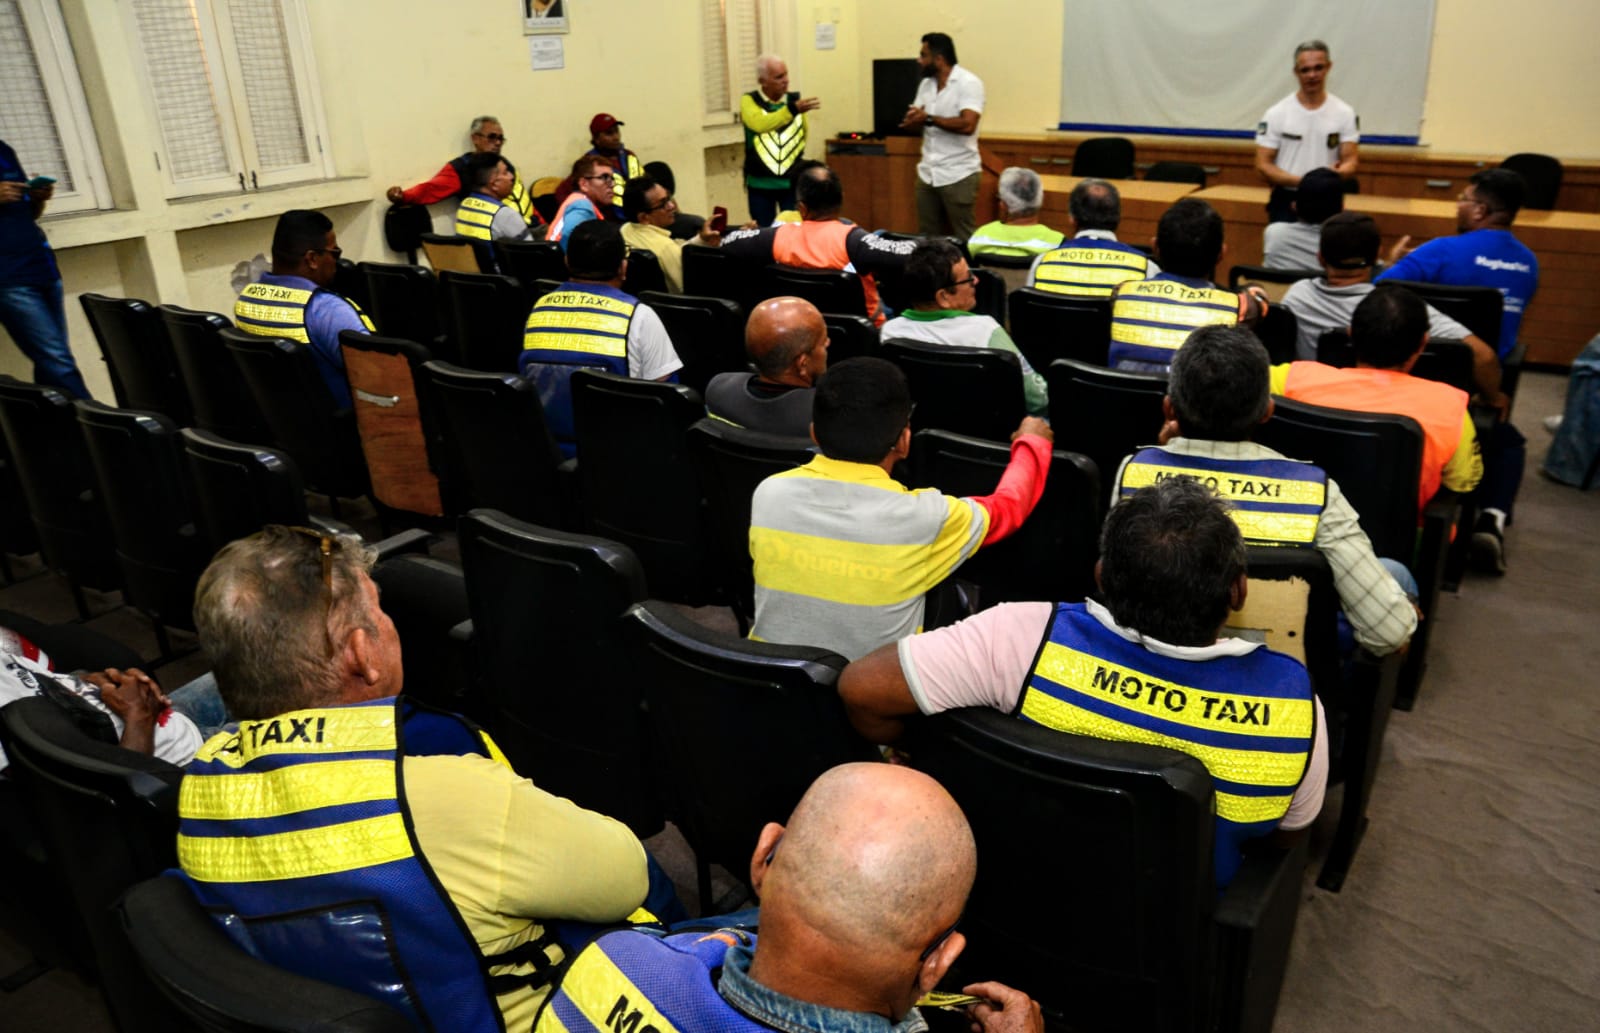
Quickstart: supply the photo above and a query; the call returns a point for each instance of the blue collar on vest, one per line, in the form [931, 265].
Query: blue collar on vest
[590, 287]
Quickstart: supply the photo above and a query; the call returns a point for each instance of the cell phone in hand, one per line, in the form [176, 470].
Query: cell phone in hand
[719, 219]
[40, 182]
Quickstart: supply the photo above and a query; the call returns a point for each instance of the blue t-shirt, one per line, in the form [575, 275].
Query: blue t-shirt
[1481, 258]
[25, 255]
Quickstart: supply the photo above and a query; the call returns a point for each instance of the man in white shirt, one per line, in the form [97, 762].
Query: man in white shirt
[1309, 129]
[947, 107]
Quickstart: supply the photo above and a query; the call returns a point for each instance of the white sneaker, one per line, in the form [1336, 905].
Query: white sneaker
[1552, 423]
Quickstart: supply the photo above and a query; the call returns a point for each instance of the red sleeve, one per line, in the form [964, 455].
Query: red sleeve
[445, 183]
[1019, 489]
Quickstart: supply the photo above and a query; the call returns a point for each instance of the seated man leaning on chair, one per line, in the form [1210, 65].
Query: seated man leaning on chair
[293, 300]
[860, 895]
[787, 342]
[590, 322]
[1150, 319]
[943, 291]
[485, 214]
[1293, 245]
[1094, 260]
[363, 839]
[844, 554]
[1018, 232]
[1143, 664]
[1218, 393]
[650, 211]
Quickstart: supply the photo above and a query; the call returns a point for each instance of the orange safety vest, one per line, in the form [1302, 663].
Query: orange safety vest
[820, 244]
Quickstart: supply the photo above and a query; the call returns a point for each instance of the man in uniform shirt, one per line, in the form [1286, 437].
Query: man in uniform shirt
[1309, 129]
[947, 107]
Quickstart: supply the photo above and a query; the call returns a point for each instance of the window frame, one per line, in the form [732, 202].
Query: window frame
[69, 107]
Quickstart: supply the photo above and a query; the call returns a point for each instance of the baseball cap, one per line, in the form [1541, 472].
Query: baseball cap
[603, 123]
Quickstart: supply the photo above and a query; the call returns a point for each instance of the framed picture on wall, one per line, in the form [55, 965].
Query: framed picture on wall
[541, 17]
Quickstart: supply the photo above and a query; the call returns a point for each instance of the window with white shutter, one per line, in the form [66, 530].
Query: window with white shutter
[732, 37]
[43, 115]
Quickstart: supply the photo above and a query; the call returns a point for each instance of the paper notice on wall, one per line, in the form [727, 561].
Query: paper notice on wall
[545, 53]
[825, 35]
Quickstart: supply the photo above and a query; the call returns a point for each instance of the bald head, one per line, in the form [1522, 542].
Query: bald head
[877, 857]
[787, 340]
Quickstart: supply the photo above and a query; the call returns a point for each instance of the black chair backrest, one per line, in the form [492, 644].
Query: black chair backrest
[991, 291]
[1335, 349]
[1052, 556]
[487, 315]
[849, 336]
[707, 334]
[1316, 636]
[139, 476]
[831, 290]
[1121, 832]
[450, 251]
[219, 988]
[239, 489]
[303, 417]
[1105, 414]
[138, 354]
[1048, 326]
[1279, 333]
[644, 272]
[1239, 275]
[1541, 173]
[109, 819]
[52, 463]
[221, 400]
[732, 462]
[1448, 362]
[1479, 309]
[530, 260]
[497, 450]
[713, 273]
[405, 301]
[1176, 172]
[427, 599]
[638, 485]
[564, 702]
[974, 391]
[17, 534]
[1108, 157]
[395, 419]
[777, 702]
[1376, 458]
[350, 283]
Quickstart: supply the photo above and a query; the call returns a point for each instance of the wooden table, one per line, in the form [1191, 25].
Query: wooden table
[1564, 313]
[1142, 204]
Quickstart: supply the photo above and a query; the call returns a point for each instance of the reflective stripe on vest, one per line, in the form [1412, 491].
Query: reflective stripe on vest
[1249, 719]
[267, 310]
[1150, 319]
[637, 982]
[582, 325]
[519, 199]
[294, 830]
[475, 216]
[1274, 501]
[1089, 270]
[556, 224]
[778, 149]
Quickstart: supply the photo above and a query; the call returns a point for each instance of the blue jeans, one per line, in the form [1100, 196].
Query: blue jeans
[1577, 441]
[1408, 585]
[766, 204]
[36, 318]
[200, 702]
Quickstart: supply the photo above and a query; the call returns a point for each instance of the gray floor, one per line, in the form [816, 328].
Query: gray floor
[1475, 901]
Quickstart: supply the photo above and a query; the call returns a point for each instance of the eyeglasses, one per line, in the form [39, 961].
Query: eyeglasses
[939, 942]
[669, 200]
[492, 137]
[970, 281]
[603, 175]
[326, 544]
[336, 252]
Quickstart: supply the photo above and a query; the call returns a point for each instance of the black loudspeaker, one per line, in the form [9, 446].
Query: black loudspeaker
[894, 86]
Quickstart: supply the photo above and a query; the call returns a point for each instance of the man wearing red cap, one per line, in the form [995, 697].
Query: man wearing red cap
[605, 133]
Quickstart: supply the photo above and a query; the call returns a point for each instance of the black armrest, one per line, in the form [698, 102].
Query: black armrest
[571, 501]
[411, 540]
[1254, 927]
[332, 526]
[463, 633]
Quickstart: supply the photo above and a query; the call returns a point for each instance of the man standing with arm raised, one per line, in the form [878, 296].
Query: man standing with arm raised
[1309, 129]
[947, 107]
[774, 138]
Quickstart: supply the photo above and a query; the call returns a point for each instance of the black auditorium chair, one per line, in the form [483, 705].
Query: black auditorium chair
[831, 290]
[397, 426]
[351, 283]
[1048, 326]
[713, 273]
[405, 303]
[562, 700]
[222, 402]
[1279, 332]
[1105, 414]
[52, 464]
[991, 290]
[530, 260]
[732, 462]
[497, 449]
[1052, 556]
[17, 534]
[974, 391]
[1448, 362]
[1131, 933]
[644, 273]
[1275, 282]
[218, 987]
[136, 457]
[1541, 173]
[707, 333]
[108, 818]
[486, 317]
[304, 418]
[778, 703]
[1012, 270]
[427, 600]
[849, 336]
[138, 355]
[1176, 172]
[636, 481]
[1479, 309]
[239, 489]
[447, 252]
[1106, 157]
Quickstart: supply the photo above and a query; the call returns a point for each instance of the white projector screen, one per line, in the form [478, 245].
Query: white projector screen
[1213, 67]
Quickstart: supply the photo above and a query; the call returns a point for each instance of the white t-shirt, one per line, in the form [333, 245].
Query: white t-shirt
[949, 157]
[650, 352]
[1306, 139]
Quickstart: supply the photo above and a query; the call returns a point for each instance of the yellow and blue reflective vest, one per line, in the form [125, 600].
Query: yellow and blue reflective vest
[294, 832]
[1087, 268]
[640, 982]
[578, 326]
[476, 215]
[1249, 719]
[773, 153]
[518, 198]
[270, 310]
[1274, 501]
[1150, 319]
